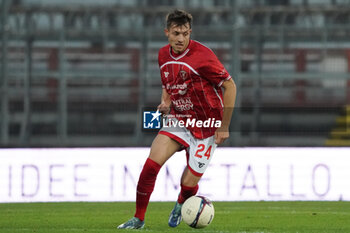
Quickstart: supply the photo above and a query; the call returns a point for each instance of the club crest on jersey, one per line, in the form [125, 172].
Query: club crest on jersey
[183, 74]
[166, 74]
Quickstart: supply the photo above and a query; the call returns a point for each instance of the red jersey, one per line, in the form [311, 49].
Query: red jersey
[193, 80]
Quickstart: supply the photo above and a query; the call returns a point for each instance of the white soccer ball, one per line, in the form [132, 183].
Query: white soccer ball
[197, 212]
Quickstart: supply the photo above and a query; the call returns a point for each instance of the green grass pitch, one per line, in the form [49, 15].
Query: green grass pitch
[259, 217]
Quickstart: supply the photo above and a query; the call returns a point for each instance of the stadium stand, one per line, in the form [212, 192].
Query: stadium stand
[80, 73]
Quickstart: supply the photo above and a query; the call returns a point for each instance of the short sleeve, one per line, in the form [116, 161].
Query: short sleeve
[212, 69]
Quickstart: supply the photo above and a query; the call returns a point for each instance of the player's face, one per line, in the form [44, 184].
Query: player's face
[179, 37]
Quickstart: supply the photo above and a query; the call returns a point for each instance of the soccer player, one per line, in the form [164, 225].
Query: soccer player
[197, 91]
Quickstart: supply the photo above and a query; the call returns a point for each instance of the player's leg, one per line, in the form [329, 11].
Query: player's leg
[189, 185]
[163, 147]
[189, 188]
[198, 155]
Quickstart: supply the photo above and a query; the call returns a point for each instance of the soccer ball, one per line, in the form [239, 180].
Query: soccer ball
[197, 212]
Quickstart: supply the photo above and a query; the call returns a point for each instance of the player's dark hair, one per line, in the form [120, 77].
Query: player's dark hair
[178, 18]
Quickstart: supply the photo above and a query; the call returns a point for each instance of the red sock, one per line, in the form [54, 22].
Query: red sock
[145, 187]
[186, 192]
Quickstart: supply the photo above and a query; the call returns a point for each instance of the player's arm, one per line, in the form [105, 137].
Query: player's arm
[165, 102]
[222, 133]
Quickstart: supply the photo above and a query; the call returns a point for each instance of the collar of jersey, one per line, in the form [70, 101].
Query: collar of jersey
[181, 55]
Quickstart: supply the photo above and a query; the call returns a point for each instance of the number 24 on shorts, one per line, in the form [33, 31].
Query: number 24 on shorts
[201, 147]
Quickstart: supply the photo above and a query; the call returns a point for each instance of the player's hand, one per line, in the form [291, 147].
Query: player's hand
[221, 134]
[164, 108]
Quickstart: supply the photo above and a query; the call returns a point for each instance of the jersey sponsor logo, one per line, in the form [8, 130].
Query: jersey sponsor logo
[182, 92]
[176, 86]
[182, 88]
[183, 104]
[151, 119]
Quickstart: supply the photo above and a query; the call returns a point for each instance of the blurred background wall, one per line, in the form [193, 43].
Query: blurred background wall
[79, 73]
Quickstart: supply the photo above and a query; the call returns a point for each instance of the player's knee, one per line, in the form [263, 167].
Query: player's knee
[190, 180]
[157, 157]
[189, 183]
